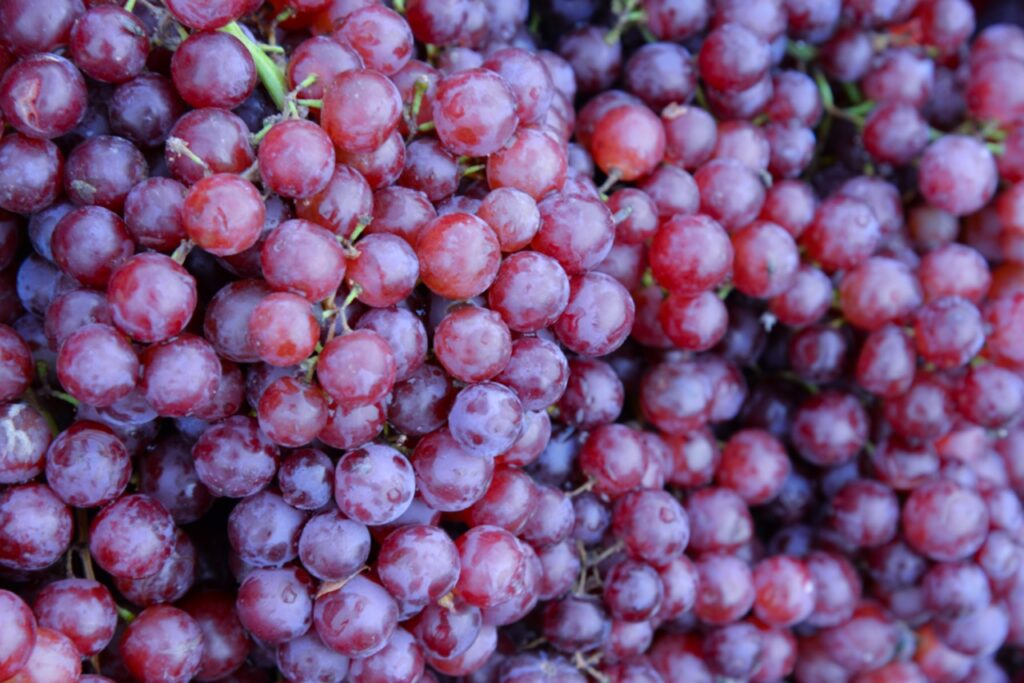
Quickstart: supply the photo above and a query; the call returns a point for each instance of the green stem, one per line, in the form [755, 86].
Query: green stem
[801, 51]
[271, 75]
[312, 104]
[181, 253]
[724, 291]
[420, 87]
[272, 49]
[470, 170]
[364, 221]
[129, 6]
[828, 100]
[258, 136]
[399, 6]
[126, 614]
[67, 398]
[426, 127]
[284, 16]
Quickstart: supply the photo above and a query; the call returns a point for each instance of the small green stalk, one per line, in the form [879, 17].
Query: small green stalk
[310, 104]
[271, 75]
[129, 6]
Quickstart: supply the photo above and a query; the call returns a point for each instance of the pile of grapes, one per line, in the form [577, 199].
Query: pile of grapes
[642, 341]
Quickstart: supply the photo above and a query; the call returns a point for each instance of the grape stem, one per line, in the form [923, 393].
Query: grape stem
[129, 6]
[126, 614]
[271, 75]
[181, 253]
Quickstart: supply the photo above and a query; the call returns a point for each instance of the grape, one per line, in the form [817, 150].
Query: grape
[234, 458]
[374, 484]
[151, 297]
[307, 658]
[43, 96]
[333, 547]
[36, 527]
[356, 620]
[223, 214]
[361, 109]
[216, 136]
[386, 270]
[418, 564]
[276, 605]
[87, 465]
[53, 657]
[449, 477]
[31, 172]
[19, 632]
[180, 375]
[473, 344]
[163, 643]
[264, 530]
[213, 70]
[366, 351]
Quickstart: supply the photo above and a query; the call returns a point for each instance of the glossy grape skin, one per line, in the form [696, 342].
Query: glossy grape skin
[234, 458]
[386, 269]
[323, 57]
[43, 96]
[206, 16]
[418, 564]
[380, 36]
[494, 566]
[374, 484]
[31, 172]
[216, 136]
[589, 329]
[102, 170]
[224, 214]
[180, 375]
[296, 159]
[332, 547]
[652, 524]
[282, 329]
[109, 44]
[141, 523]
[97, 365]
[226, 324]
[473, 344]
[276, 605]
[356, 620]
[690, 254]
[87, 466]
[32, 28]
[632, 156]
[82, 610]
[213, 69]
[464, 278]
[307, 658]
[151, 297]
[532, 162]
[576, 232]
[475, 112]
[353, 125]
[152, 212]
[144, 109]
[754, 464]
[264, 530]
[337, 368]
[449, 477]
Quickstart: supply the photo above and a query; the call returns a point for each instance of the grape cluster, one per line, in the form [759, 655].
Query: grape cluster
[648, 341]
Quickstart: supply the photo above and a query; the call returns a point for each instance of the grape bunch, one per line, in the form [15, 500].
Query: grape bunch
[418, 341]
